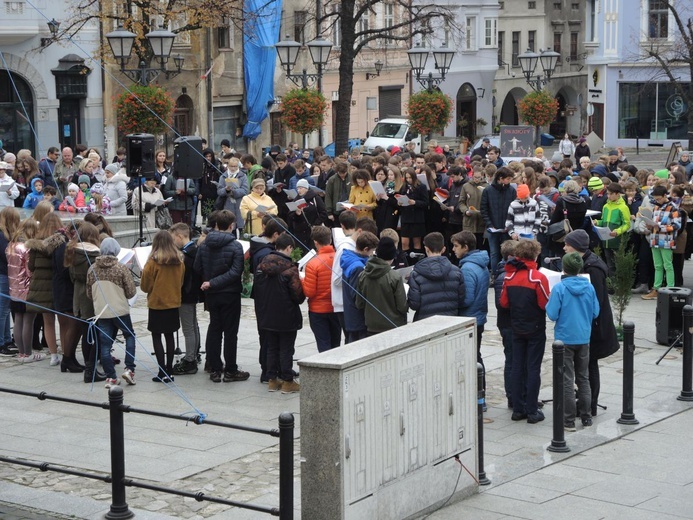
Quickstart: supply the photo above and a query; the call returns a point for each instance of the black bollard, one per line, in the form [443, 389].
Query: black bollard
[558, 443]
[119, 507]
[687, 387]
[627, 415]
[481, 397]
[286, 466]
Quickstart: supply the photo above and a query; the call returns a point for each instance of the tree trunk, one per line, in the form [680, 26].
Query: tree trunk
[342, 113]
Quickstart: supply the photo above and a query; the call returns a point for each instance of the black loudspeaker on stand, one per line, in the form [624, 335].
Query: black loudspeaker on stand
[187, 161]
[140, 164]
[669, 317]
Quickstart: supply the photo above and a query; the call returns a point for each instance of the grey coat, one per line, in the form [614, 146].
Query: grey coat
[233, 195]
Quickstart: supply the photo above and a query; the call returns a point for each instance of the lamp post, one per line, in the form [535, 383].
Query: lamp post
[528, 62]
[319, 49]
[418, 56]
[159, 43]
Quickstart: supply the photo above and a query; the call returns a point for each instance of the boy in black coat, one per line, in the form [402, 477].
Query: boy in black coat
[278, 294]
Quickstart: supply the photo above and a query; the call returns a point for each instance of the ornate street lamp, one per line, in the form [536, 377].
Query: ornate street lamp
[418, 56]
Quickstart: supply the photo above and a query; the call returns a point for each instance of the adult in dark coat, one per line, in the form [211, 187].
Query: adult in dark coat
[571, 206]
[495, 201]
[303, 219]
[603, 340]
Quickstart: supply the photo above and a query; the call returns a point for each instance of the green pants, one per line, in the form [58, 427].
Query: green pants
[662, 259]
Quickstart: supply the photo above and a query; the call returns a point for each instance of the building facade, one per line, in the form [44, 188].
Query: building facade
[50, 91]
[629, 97]
[539, 25]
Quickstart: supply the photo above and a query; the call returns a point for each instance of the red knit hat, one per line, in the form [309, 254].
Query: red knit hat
[522, 191]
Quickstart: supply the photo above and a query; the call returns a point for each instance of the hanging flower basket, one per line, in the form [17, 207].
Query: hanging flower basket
[429, 111]
[303, 110]
[144, 110]
[537, 108]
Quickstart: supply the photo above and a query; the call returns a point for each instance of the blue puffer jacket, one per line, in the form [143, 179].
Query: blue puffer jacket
[352, 265]
[219, 261]
[474, 267]
[436, 287]
[573, 305]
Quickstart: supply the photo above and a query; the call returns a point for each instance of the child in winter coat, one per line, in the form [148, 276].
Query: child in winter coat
[352, 264]
[74, 201]
[36, 195]
[523, 215]
[573, 305]
[615, 216]
[162, 279]
[110, 286]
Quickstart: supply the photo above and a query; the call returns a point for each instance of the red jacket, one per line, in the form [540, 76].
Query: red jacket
[526, 293]
[317, 283]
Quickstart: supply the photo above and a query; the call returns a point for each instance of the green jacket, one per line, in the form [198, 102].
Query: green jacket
[381, 296]
[615, 216]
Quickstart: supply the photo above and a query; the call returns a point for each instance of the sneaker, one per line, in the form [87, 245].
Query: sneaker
[518, 416]
[12, 347]
[274, 385]
[238, 375]
[652, 295]
[569, 426]
[55, 360]
[111, 382]
[32, 357]
[215, 377]
[4, 351]
[587, 422]
[535, 417]
[290, 387]
[641, 289]
[184, 367]
[128, 376]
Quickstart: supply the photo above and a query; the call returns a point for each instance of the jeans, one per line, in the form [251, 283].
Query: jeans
[355, 335]
[494, 242]
[108, 328]
[528, 351]
[280, 354]
[5, 330]
[224, 319]
[191, 330]
[576, 370]
[326, 329]
[507, 336]
[662, 259]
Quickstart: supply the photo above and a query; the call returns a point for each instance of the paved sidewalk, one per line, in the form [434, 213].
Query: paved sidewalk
[242, 466]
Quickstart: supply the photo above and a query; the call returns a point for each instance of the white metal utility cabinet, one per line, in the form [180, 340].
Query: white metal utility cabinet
[382, 419]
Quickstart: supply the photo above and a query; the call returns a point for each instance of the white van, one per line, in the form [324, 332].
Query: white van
[393, 131]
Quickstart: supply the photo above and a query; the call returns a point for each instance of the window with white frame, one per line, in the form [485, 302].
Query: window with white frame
[490, 32]
[364, 24]
[532, 40]
[591, 25]
[300, 18]
[658, 19]
[515, 48]
[470, 34]
[388, 17]
[336, 27]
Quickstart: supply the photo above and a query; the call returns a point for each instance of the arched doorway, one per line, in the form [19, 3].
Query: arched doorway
[182, 115]
[16, 113]
[466, 111]
[559, 125]
[508, 113]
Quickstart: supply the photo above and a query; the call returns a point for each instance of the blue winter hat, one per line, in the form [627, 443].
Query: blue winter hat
[600, 170]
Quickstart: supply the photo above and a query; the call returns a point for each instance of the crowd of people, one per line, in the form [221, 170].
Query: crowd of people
[462, 223]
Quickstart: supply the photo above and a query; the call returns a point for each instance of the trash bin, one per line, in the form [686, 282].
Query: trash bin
[547, 140]
[669, 315]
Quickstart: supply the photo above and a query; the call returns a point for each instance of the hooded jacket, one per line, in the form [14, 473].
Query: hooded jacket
[352, 265]
[219, 261]
[41, 267]
[575, 208]
[260, 247]
[615, 216]
[33, 198]
[495, 201]
[116, 189]
[278, 294]
[470, 200]
[525, 293]
[110, 286]
[573, 305]
[474, 267]
[381, 296]
[668, 218]
[436, 288]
